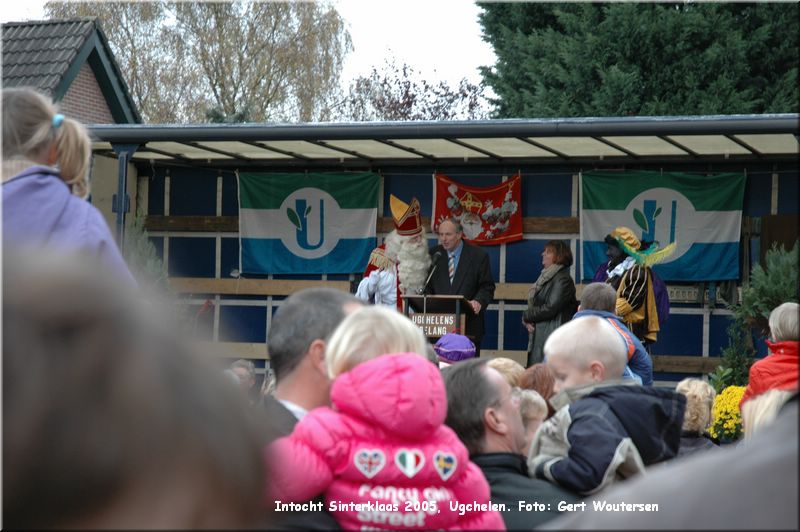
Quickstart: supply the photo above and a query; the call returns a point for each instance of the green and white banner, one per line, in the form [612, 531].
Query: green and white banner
[701, 214]
[307, 223]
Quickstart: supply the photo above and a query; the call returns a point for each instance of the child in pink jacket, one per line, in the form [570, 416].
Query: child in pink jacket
[381, 455]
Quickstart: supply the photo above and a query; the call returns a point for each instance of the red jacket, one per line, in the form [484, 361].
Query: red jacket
[777, 371]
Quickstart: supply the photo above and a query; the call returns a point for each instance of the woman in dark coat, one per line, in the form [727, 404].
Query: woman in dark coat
[551, 300]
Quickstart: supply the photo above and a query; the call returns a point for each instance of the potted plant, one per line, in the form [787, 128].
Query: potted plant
[770, 286]
[726, 424]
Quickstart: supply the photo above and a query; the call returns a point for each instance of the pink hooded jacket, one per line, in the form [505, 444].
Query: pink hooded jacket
[383, 446]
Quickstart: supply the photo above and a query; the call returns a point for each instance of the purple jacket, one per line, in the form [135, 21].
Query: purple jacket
[40, 210]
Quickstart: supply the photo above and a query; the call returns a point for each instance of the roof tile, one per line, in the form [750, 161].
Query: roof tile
[39, 53]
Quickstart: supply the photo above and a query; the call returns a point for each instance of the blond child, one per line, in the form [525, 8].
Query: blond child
[45, 172]
[533, 409]
[381, 455]
[603, 430]
[699, 401]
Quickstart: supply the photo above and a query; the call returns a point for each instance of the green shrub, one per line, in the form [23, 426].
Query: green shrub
[770, 286]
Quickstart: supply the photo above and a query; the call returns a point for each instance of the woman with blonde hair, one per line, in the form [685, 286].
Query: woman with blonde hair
[697, 418]
[384, 433]
[45, 172]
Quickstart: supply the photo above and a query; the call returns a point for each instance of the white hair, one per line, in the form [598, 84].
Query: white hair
[369, 333]
[783, 323]
[588, 339]
[393, 242]
[414, 261]
[762, 410]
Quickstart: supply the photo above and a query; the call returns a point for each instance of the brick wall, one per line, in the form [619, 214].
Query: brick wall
[84, 100]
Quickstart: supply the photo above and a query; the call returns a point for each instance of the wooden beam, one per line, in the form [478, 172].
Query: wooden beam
[250, 287]
[230, 224]
[533, 224]
[268, 287]
[277, 287]
[234, 350]
[551, 224]
[661, 363]
[685, 364]
[518, 356]
[192, 223]
[512, 291]
[517, 292]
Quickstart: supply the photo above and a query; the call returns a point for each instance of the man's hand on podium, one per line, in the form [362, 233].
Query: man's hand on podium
[476, 306]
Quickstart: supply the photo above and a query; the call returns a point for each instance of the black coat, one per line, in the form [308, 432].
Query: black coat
[280, 421]
[472, 279]
[552, 306]
[509, 484]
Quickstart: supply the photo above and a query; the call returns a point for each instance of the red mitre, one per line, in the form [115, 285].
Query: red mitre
[406, 217]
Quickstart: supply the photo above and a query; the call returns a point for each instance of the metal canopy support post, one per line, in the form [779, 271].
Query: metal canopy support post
[121, 203]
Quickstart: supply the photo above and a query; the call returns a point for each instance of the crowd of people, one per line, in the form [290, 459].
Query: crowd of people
[112, 421]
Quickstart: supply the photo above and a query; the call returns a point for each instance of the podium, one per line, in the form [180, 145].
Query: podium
[437, 315]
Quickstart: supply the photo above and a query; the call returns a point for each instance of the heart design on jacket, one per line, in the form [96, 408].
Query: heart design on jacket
[369, 461]
[409, 461]
[445, 464]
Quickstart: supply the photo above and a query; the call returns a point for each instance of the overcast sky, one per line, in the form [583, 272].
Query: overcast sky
[438, 38]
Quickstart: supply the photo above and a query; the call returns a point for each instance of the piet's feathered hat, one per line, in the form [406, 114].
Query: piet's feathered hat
[406, 216]
[623, 238]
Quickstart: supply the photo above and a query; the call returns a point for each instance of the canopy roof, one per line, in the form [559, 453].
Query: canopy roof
[489, 142]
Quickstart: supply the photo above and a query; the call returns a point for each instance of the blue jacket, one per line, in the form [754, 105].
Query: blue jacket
[640, 362]
[606, 432]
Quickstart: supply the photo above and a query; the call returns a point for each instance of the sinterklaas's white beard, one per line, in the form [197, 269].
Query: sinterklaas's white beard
[414, 262]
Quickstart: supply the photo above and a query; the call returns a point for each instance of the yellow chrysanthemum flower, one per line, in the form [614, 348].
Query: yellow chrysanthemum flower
[727, 422]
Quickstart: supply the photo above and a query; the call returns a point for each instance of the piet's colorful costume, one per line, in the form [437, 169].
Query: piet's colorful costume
[384, 279]
[633, 280]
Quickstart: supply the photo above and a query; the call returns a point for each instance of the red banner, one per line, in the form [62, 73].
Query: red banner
[490, 215]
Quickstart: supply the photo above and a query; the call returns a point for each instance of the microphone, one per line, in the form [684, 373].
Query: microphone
[434, 261]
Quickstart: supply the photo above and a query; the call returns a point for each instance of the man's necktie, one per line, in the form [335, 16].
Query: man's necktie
[451, 266]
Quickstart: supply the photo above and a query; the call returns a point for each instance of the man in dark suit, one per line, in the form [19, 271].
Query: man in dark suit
[296, 342]
[297, 338]
[462, 269]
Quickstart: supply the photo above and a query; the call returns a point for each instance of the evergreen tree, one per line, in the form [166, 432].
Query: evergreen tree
[770, 286]
[623, 59]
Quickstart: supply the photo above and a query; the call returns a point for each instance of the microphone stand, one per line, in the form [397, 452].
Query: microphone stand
[435, 261]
